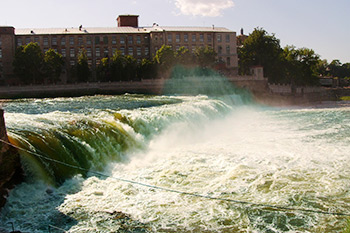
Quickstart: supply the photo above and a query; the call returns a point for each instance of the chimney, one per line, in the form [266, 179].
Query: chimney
[128, 21]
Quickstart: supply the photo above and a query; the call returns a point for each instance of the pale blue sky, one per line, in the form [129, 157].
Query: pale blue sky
[322, 25]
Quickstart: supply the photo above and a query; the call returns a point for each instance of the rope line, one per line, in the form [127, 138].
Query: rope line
[261, 205]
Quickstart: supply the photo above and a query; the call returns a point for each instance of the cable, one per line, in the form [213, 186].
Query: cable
[266, 206]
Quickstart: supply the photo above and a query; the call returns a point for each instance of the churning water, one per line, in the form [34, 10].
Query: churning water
[217, 147]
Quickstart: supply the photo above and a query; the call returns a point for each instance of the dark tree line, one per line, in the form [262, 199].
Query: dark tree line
[286, 65]
[31, 65]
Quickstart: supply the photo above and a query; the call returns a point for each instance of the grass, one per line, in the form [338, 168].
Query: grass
[347, 228]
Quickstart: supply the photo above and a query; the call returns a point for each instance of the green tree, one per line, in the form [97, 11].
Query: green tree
[263, 49]
[82, 67]
[130, 68]
[28, 63]
[205, 56]
[165, 59]
[103, 70]
[146, 69]
[117, 64]
[301, 66]
[53, 64]
[183, 56]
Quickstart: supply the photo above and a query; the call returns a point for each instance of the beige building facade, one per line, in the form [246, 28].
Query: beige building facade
[128, 37]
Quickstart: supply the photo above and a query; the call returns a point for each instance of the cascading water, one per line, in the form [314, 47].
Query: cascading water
[207, 146]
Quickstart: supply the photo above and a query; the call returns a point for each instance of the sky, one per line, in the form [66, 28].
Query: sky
[321, 25]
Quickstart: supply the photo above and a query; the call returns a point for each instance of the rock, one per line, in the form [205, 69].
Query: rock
[11, 172]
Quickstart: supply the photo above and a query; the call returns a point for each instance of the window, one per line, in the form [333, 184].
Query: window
[71, 40]
[228, 61]
[130, 40]
[28, 40]
[0, 53]
[63, 51]
[146, 51]
[138, 52]
[72, 62]
[105, 40]
[177, 38]
[227, 49]
[219, 37]
[46, 41]
[227, 38]
[114, 40]
[194, 38]
[186, 38]
[72, 53]
[54, 40]
[105, 52]
[0, 41]
[138, 39]
[131, 51]
[36, 40]
[63, 41]
[114, 50]
[170, 38]
[122, 50]
[88, 52]
[97, 40]
[98, 52]
[19, 42]
[209, 38]
[146, 39]
[122, 40]
[219, 49]
[88, 40]
[80, 40]
[201, 38]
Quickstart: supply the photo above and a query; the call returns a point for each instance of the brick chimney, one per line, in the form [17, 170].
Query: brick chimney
[128, 21]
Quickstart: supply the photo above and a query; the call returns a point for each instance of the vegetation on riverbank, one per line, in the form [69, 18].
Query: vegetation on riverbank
[345, 98]
[288, 65]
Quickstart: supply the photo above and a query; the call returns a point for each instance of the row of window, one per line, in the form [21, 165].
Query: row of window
[0, 53]
[196, 37]
[103, 52]
[89, 40]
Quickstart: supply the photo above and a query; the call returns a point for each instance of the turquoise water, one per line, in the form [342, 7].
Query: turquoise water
[219, 147]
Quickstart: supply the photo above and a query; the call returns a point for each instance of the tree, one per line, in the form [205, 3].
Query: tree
[145, 69]
[104, 70]
[205, 56]
[301, 66]
[261, 49]
[28, 63]
[82, 67]
[130, 68]
[117, 64]
[53, 63]
[165, 59]
[183, 56]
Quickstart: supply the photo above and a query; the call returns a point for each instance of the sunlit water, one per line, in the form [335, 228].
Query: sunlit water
[218, 147]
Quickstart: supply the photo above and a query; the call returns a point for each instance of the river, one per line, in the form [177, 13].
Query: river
[137, 163]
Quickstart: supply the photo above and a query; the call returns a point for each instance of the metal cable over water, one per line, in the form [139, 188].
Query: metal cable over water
[245, 203]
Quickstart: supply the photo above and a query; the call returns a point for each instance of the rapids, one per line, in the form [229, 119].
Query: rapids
[220, 147]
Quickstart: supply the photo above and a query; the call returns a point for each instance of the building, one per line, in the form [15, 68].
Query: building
[128, 37]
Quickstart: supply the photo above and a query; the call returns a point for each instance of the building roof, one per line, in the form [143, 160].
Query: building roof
[109, 30]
